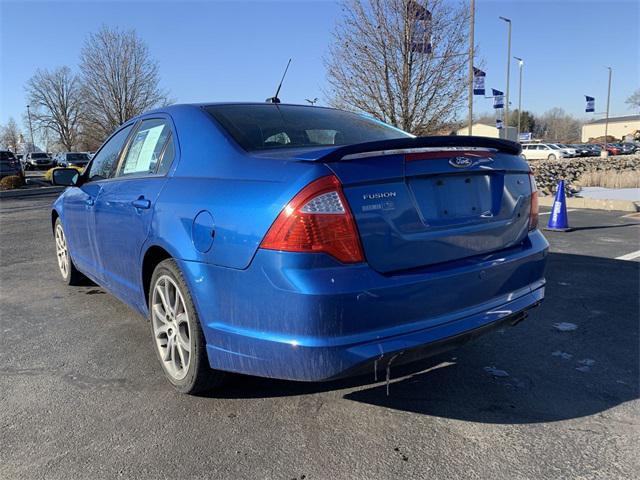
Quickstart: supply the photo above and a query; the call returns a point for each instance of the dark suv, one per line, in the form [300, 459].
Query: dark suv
[9, 164]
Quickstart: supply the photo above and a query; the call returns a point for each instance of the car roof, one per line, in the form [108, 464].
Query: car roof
[200, 105]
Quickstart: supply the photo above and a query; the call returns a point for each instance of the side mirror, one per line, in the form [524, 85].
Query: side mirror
[67, 177]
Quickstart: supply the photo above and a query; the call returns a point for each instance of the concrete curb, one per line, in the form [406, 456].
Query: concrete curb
[28, 192]
[594, 204]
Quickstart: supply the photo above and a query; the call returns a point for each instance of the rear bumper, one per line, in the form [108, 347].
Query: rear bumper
[303, 317]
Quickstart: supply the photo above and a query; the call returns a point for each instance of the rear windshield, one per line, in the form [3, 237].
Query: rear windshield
[261, 127]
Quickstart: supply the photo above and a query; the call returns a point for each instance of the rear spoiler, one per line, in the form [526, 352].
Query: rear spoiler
[399, 145]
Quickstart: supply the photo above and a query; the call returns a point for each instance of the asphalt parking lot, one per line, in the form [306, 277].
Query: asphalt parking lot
[82, 395]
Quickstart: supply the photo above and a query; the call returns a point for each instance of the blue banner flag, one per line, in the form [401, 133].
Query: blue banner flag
[498, 98]
[498, 123]
[591, 104]
[478, 81]
[421, 31]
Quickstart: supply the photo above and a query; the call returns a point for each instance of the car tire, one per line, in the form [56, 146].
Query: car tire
[551, 157]
[70, 274]
[177, 334]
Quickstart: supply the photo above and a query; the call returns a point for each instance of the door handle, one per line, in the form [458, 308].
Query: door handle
[141, 203]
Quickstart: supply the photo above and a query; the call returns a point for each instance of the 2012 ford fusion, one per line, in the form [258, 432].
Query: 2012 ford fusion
[301, 243]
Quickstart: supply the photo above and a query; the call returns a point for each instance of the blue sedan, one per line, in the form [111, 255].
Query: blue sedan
[301, 243]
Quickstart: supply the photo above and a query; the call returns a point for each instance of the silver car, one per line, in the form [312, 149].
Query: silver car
[37, 160]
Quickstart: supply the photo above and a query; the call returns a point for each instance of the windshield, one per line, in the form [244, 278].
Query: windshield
[554, 147]
[7, 156]
[72, 157]
[265, 126]
[39, 155]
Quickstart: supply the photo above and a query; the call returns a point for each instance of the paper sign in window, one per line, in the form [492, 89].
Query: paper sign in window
[142, 154]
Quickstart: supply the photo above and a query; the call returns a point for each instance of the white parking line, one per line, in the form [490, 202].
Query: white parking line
[629, 256]
[549, 213]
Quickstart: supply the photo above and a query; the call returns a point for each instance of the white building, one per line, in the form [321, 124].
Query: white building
[619, 127]
[485, 130]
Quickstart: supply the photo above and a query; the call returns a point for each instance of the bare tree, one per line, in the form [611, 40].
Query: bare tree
[120, 80]
[10, 135]
[374, 67]
[55, 100]
[558, 126]
[634, 100]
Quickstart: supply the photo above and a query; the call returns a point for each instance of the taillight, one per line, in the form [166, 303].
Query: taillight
[318, 219]
[533, 213]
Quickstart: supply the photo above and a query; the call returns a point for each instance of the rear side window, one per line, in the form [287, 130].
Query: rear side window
[145, 148]
[103, 164]
[167, 157]
[265, 126]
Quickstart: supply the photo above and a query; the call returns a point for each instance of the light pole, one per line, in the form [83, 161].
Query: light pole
[506, 103]
[606, 121]
[520, 64]
[30, 129]
[472, 6]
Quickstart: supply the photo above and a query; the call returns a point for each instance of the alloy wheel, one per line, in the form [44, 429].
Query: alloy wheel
[62, 252]
[171, 331]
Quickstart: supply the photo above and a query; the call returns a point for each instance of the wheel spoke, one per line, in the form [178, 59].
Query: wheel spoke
[181, 354]
[161, 293]
[162, 330]
[159, 313]
[167, 297]
[168, 354]
[176, 302]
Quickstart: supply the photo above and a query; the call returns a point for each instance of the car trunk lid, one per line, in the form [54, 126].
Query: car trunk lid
[424, 205]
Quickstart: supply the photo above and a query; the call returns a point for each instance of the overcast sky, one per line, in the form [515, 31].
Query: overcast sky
[211, 51]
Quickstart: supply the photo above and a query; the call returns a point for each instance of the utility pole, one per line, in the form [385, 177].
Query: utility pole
[520, 64]
[471, 53]
[506, 103]
[606, 121]
[30, 130]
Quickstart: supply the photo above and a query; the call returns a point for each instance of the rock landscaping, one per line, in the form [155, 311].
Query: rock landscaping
[549, 172]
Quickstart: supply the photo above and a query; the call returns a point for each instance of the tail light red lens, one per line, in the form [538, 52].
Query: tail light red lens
[533, 214]
[318, 219]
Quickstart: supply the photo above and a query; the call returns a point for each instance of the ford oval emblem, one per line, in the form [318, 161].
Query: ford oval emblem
[460, 162]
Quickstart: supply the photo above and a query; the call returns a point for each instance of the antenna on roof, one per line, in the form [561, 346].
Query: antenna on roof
[275, 98]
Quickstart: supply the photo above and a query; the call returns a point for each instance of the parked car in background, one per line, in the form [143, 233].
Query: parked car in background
[581, 150]
[9, 165]
[37, 160]
[626, 148]
[302, 243]
[72, 159]
[542, 151]
[612, 149]
[568, 150]
[594, 149]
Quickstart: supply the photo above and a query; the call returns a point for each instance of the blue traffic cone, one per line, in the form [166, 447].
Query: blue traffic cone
[558, 220]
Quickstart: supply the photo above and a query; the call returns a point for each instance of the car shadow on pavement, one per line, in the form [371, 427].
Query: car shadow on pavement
[533, 372]
[600, 227]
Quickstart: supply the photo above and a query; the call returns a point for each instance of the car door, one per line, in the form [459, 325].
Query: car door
[125, 205]
[79, 204]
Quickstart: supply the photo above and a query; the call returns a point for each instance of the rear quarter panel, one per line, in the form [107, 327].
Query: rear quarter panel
[242, 193]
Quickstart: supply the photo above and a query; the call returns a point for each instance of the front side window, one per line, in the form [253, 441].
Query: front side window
[146, 148]
[266, 126]
[104, 162]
